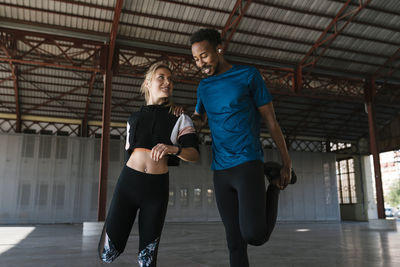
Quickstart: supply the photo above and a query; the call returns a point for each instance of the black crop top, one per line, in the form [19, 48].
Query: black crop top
[154, 124]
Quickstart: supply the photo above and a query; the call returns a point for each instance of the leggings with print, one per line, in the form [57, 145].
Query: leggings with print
[135, 191]
[247, 210]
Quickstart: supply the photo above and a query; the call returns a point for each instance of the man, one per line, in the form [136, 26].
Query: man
[233, 99]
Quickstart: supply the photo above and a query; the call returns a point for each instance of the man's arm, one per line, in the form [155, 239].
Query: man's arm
[268, 114]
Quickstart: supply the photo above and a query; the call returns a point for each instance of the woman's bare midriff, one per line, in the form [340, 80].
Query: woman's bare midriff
[141, 161]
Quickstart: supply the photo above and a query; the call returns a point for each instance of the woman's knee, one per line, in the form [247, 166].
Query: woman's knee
[107, 250]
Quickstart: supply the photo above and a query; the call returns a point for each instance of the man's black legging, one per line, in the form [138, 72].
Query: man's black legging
[248, 211]
[135, 191]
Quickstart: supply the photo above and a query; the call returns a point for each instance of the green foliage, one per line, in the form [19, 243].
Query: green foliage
[393, 197]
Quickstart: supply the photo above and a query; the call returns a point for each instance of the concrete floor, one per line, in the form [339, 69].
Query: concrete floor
[201, 245]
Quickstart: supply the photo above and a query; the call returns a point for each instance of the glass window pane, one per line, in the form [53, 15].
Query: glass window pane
[171, 199]
[183, 197]
[197, 197]
[210, 197]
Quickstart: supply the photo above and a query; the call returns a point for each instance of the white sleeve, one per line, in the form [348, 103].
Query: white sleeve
[127, 136]
[184, 125]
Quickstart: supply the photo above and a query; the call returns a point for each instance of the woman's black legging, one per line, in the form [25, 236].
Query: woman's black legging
[248, 211]
[135, 191]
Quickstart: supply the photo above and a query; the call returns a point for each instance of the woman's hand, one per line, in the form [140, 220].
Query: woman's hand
[161, 150]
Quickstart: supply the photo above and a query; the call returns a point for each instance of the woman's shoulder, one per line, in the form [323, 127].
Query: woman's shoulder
[134, 116]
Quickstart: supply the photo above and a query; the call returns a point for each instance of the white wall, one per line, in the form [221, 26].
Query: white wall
[49, 179]
[369, 185]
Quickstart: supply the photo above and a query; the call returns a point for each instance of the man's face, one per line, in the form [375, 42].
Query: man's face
[206, 57]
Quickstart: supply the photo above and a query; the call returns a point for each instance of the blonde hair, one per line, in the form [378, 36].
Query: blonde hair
[149, 76]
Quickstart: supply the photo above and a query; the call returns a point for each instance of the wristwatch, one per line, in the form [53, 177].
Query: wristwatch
[179, 150]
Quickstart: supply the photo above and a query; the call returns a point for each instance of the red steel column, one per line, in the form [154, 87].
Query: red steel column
[107, 60]
[105, 147]
[370, 91]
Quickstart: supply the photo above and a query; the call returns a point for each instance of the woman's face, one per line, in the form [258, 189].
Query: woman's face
[160, 86]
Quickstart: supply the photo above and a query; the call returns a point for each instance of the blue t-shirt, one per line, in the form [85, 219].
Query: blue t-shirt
[230, 100]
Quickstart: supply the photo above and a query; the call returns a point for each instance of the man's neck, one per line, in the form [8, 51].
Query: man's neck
[223, 66]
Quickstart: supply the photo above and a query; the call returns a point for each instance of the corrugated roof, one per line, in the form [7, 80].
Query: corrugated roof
[273, 35]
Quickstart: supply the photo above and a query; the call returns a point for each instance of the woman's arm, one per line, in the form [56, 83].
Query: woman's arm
[187, 153]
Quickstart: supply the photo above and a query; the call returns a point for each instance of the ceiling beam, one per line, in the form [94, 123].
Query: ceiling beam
[377, 9]
[388, 68]
[14, 74]
[45, 64]
[185, 50]
[269, 20]
[328, 16]
[233, 21]
[113, 33]
[89, 94]
[106, 114]
[335, 27]
[76, 88]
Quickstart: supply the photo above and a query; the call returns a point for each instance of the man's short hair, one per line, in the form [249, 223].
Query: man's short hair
[210, 35]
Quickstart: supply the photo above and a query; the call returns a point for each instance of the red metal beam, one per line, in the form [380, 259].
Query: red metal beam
[77, 42]
[84, 125]
[14, 75]
[304, 121]
[105, 146]
[389, 65]
[274, 21]
[106, 116]
[45, 64]
[70, 32]
[374, 8]
[233, 21]
[370, 92]
[56, 13]
[345, 122]
[344, 16]
[325, 15]
[262, 35]
[76, 88]
[64, 52]
[114, 32]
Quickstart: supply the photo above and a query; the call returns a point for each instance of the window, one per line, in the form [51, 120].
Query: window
[24, 194]
[171, 199]
[58, 195]
[41, 194]
[346, 181]
[45, 147]
[210, 197]
[61, 148]
[197, 201]
[28, 146]
[184, 198]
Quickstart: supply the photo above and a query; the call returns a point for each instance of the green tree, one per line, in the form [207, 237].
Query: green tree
[393, 197]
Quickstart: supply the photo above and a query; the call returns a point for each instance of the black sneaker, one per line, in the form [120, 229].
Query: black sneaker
[272, 170]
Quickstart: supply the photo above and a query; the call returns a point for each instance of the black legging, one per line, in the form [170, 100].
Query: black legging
[136, 191]
[247, 211]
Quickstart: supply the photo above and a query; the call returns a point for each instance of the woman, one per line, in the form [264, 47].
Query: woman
[155, 140]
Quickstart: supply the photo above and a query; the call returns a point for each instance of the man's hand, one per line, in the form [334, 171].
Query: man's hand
[178, 110]
[199, 121]
[286, 175]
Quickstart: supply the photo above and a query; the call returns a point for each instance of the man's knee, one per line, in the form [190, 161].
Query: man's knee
[257, 241]
[256, 238]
